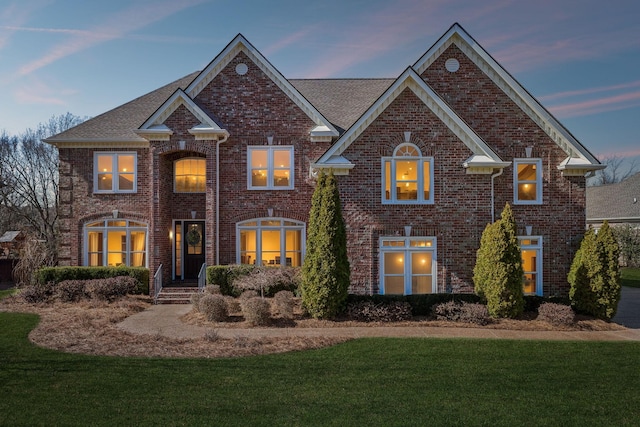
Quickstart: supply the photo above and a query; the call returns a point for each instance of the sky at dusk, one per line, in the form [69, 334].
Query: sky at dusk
[579, 58]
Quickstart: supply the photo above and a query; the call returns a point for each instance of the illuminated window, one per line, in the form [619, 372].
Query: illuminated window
[527, 181]
[408, 265]
[270, 168]
[271, 241]
[190, 175]
[531, 250]
[115, 243]
[114, 172]
[407, 177]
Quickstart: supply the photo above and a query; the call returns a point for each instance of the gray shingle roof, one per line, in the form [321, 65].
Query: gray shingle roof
[615, 201]
[341, 101]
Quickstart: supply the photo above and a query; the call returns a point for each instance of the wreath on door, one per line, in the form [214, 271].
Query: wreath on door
[194, 237]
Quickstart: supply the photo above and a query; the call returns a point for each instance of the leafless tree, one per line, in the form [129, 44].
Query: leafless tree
[29, 180]
[618, 169]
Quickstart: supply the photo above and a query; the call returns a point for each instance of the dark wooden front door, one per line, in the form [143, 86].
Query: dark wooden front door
[193, 248]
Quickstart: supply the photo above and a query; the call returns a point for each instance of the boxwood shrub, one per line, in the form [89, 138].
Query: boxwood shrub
[224, 275]
[59, 274]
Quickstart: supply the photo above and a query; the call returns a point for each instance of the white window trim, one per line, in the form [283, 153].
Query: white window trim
[114, 166]
[407, 248]
[105, 230]
[270, 167]
[259, 227]
[538, 247]
[393, 160]
[538, 182]
[174, 176]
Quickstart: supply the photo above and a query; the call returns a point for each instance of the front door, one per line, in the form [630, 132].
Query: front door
[189, 250]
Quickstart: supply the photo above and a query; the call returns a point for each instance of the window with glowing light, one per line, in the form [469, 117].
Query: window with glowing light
[115, 242]
[114, 172]
[270, 168]
[408, 265]
[531, 250]
[527, 181]
[190, 175]
[271, 241]
[407, 177]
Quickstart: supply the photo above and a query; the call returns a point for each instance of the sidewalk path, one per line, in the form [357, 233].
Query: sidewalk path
[165, 320]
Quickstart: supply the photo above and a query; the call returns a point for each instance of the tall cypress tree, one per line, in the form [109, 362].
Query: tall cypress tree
[498, 273]
[325, 272]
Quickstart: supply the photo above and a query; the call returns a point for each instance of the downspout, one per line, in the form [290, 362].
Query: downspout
[493, 209]
[220, 141]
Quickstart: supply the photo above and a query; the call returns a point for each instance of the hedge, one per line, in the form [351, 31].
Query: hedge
[59, 274]
[224, 275]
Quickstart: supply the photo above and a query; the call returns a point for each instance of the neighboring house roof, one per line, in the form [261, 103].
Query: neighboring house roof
[579, 160]
[616, 203]
[10, 236]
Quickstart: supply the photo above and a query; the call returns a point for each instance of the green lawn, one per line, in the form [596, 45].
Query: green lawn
[630, 277]
[365, 382]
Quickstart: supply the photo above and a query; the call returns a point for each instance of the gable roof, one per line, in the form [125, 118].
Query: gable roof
[154, 127]
[324, 129]
[579, 160]
[615, 202]
[117, 126]
[483, 160]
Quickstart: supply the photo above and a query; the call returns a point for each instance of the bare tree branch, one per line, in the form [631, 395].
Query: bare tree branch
[618, 169]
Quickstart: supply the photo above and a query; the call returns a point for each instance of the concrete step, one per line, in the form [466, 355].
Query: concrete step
[176, 295]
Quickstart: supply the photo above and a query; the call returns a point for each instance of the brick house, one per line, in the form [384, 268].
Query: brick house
[218, 168]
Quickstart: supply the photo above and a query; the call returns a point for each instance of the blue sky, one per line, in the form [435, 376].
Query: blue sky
[580, 58]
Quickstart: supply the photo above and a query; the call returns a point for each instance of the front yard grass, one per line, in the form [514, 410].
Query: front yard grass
[362, 382]
[630, 277]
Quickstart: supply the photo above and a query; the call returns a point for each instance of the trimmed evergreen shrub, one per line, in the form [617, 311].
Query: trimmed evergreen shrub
[111, 288]
[71, 290]
[556, 314]
[233, 304]
[37, 293]
[595, 276]
[248, 294]
[59, 274]
[256, 311]
[224, 276]
[421, 304]
[214, 307]
[195, 301]
[284, 303]
[368, 311]
[212, 289]
[268, 281]
[326, 271]
[462, 312]
[498, 273]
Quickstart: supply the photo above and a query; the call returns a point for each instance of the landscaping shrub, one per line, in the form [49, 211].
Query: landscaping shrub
[283, 302]
[325, 272]
[256, 311]
[268, 281]
[248, 294]
[497, 275]
[37, 293]
[212, 289]
[462, 312]
[368, 311]
[233, 304]
[214, 307]
[595, 275]
[59, 274]
[71, 290]
[111, 288]
[421, 304]
[224, 276]
[556, 314]
[195, 301]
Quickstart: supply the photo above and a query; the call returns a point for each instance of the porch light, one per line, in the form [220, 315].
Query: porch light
[170, 234]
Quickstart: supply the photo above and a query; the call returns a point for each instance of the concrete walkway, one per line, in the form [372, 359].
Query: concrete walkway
[164, 320]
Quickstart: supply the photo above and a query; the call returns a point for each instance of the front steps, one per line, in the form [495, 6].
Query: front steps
[176, 295]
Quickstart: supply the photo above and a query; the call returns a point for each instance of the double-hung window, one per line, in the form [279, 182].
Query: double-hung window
[114, 172]
[407, 177]
[270, 168]
[527, 181]
[408, 265]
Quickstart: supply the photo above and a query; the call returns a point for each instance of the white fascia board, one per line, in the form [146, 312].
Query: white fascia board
[576, 166]
[410, 79]
[100, 143]
[240, 44]
[518, 94]
[484, 161]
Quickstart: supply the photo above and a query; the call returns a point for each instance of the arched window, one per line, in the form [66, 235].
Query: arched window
[190, 175]
[115, 242]
[407, 177]
[271, 241]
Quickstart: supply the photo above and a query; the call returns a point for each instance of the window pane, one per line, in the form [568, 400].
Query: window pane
[421, 263]
[426, 175]
[421, 284]
[258, 159]
[126, 163]
[116, 248]
[138, 249]
[190, 175]
[105, 181]
[394, 285]
[178, 249]
[125, 181]
[281, 178]
[259, 178]
[387, 180]
[526, 172]
[527, 191]
[393, 263]
[281, 158]
[270, 246]
[529, 286]
[248, 246]
[105, 163]
[95, 248]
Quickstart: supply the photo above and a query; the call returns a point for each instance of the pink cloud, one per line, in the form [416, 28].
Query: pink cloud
[117, 26]
[600, 105]
[16, 14]
[39, 92]
[288, 41]
[589, 91]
